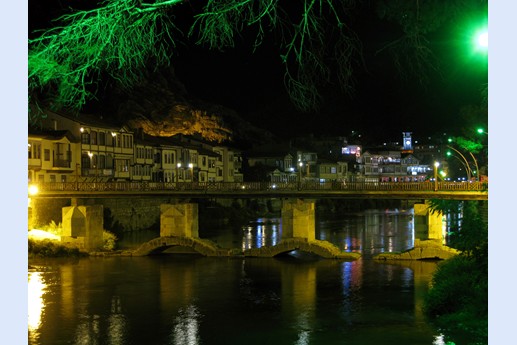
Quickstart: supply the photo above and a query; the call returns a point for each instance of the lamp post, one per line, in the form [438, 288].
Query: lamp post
[467, 168]
[191, 167]
[178, 166]
[465, 159]
[436, 165]
[90, 154]
[300, 164]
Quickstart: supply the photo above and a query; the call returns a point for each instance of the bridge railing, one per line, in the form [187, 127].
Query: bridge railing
[236, 187]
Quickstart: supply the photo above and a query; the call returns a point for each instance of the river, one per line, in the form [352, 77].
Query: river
[188, 299]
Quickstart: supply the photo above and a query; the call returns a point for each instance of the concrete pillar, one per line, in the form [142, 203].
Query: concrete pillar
[298, 219]
[428, 225]
[179, 220]
[83, 226]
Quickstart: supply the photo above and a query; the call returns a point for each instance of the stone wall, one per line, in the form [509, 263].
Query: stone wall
[132, 214]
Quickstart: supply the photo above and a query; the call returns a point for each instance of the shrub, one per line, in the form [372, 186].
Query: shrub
[48, 248]
[109, 240]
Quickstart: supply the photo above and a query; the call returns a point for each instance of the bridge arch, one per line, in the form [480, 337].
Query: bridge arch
[201, 246]
[323, 249]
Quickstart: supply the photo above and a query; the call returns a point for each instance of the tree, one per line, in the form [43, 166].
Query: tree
[89, 50]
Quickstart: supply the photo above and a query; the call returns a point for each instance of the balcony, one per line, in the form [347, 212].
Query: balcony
[61, 163]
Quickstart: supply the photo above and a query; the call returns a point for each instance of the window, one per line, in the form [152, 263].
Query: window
[52, 178]
[102, 161]
[85, 160]
[102, 138]
[47, 155]
[85, 138]
[122, 165]
[63, 178]
[109, 162]
[93, 138]
[203, 161]
[333, 170]
[34, 150]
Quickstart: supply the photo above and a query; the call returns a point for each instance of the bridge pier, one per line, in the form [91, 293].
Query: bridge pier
[83, 226]
[298, 219]
[299, 233]
[179, 228]
[428, 225]
[179, 220]
[429, 237]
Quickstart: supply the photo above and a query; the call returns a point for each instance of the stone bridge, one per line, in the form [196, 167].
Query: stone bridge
[198, 245]
[321, 248]
[179, 233]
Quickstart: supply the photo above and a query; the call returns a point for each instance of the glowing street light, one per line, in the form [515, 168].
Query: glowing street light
[178, 166]
[33, 189]
[191, 167]
[482, 39]
[481, 131]
[436, 165]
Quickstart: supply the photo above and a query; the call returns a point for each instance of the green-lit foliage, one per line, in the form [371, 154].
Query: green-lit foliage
[118, 39]
[313, 39]
[121, 38]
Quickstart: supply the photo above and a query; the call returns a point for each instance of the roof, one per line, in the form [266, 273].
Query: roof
[48, 134]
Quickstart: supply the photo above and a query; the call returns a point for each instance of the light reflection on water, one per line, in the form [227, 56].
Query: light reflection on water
[191, 300]
[35, 303]
[186, 326]
[369, 233]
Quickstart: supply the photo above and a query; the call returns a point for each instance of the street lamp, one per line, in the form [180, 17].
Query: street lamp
[191, 167]
[300, 165]
[481, 131]
[436, 165]
[465, 159]
[466, 166]
[90, 154]
[178, 166]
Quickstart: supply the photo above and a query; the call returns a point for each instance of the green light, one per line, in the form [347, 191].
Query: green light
[449, 140]
[449, 153]
[480, 40]
[483, 39]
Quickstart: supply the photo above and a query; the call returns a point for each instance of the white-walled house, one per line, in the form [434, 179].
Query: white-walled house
[53, 156]
[106, 148]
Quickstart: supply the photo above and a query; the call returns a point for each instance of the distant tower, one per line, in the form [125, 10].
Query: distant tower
[407, 142]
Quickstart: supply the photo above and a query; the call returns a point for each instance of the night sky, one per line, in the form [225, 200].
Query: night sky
[382, 106]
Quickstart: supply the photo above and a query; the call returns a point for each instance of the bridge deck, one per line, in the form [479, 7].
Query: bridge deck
[309, 189]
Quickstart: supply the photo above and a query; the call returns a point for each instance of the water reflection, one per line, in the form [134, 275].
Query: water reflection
[186, 326]
[194, 300]
[262, 232]
[116, 323]
[35, 303]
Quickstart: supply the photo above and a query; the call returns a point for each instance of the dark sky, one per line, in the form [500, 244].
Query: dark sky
[382, 106]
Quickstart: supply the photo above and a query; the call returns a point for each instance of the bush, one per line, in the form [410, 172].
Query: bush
[52, 249]
[109, 240]
[458, 298]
